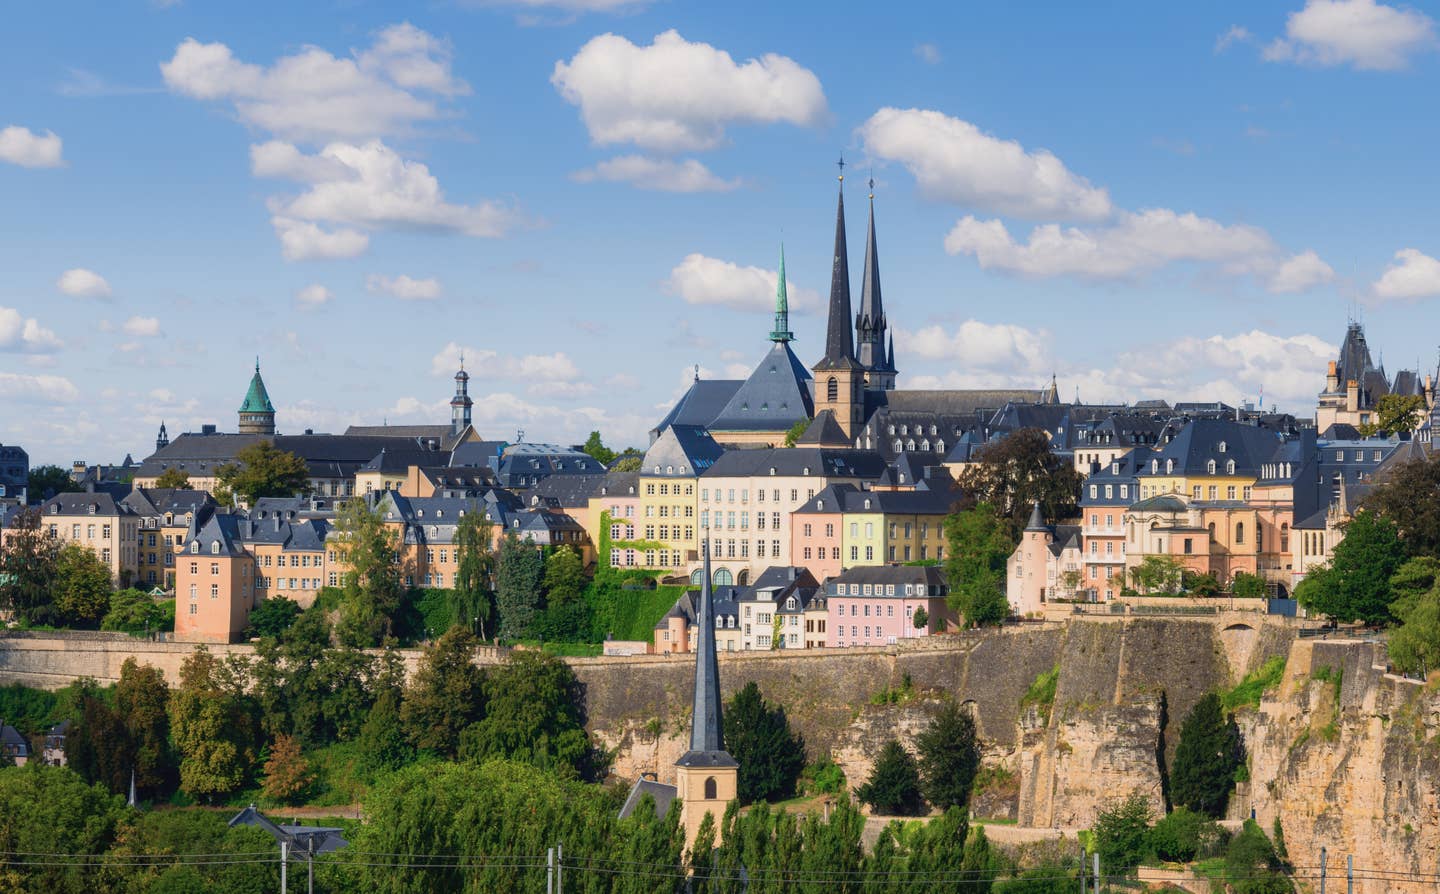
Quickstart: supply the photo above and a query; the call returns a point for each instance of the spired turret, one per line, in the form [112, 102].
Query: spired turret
[257, 414]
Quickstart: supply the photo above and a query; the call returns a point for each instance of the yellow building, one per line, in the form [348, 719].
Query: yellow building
[668, 522]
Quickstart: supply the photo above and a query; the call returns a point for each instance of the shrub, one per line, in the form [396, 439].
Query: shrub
[1122, 836]
[1184, 835]
[894, 784]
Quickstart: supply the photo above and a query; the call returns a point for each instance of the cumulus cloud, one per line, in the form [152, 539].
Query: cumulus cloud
[28, 149]
[704, 280]
[1361, 33]
[549, 368]
[954, 161]
[304, 241]
[404, 287]
[927, 53]
[83, 283]
[141, 327]
[1233, 35]
[371, 187]
[314, 295]
[676, 96]
[25, 334]
[37, 389]
[661, 174]
[1412, 275]
[979, 344]
[388, 88]
[1300, 273]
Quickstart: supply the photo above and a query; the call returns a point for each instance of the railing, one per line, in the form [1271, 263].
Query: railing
[1174, 610]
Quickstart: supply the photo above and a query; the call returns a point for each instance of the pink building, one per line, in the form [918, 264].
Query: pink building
[876, 605]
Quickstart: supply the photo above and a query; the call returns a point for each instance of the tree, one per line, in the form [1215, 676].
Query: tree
[262, 470]
[134, 612]
[1356, 585]
[98, 746]
[47, 481]
[273, 616]
[533, 714]
[473, 596]
[975, 565]
[566, 615]
[28, 557]
[517, 589]
[628, 462]
[369, 550]
[921, 619]
[287, 773]
[82, 586]
[1395, 414]
[1409, 496]
[383, 743]
[1121, 833]
[597, 450]
[1247, 586]
[1183, 834]
[1414, 646]
[1251, 865]
[1157, 573]
[446, 694]
[1206, 759]
[142, 699]
[796, 430]
[51, 810]
[212, 727]
[894, 784]
[949, 756]
[172, 477]
[770, 754]
[1013, 474]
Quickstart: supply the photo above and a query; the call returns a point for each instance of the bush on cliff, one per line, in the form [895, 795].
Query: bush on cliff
[1184, 835]
[1209, 754]
[1122, 834]
[1252, 866]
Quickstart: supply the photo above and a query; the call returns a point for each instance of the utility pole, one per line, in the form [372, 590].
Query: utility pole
[284, 859]
[1349, 874]
[1322, 870]
[1082, 867]
[550, 871]
[559, 869]
[1097, 872]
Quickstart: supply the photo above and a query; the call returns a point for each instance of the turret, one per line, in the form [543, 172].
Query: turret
[257, 414]
[461, 404]
[162, 440]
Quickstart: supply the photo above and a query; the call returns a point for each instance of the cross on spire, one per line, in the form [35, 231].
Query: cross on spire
[841, 164]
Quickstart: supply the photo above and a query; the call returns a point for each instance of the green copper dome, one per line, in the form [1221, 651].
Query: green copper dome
[256, 399]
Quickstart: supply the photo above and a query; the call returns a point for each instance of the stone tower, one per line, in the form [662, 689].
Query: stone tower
[706, 776]
[839, 377]
[461, 403]
[162, 440]
[257, 414]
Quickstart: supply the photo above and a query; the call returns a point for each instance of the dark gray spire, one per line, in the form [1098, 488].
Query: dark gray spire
[1037, 519]
[839, 346]
[870, 323]
[707, 729]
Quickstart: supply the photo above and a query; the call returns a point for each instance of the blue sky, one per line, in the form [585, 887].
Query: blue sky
[588, 197]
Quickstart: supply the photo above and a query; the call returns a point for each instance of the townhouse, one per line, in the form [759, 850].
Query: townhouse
[875, 606]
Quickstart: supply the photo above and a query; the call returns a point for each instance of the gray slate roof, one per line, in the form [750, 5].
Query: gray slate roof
[774, 398]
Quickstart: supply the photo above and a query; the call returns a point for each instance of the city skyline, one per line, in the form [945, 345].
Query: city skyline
[589, 199]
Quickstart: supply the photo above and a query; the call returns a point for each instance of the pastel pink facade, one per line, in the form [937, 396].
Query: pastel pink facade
[876, 605]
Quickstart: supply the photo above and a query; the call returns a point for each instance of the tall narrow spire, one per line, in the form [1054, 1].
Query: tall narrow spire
[870, 325]
[839, 346]
[781, 333]
[707, 729]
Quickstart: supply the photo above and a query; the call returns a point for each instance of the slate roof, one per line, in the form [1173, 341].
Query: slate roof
[155, 501]
[1066, 537]
[847, 498]
[328, 456]
[701, 403]
[1200, 440]
[218, 527]
[71, 504]
[662, 794]
[775, 397]
[823, 431]
[561, 491]
[707, 725]
[683, 451]
[899, 575]
[619, 484]
[791, 461]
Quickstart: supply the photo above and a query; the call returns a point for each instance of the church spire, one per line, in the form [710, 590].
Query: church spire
[707, 729]
[870, 325]
[839, 347]
[781, 333]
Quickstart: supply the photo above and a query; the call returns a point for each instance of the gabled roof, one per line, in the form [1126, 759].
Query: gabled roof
[774, 398]
[797, 461]
[704, 400]
[823, 431]
[662, 794]
[683, 451]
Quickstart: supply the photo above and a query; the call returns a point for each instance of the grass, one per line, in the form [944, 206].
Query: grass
[892, 695]
[1042, 692]
[1255, 685]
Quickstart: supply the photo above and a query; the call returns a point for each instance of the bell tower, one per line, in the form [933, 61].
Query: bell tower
[839, 377]
[461, 403]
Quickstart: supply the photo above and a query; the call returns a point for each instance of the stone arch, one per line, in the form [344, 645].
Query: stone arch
[723, 578]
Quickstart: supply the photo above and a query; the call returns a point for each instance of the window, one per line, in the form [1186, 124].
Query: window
[710, 792]
[214, 591]
[832, 390]
[1239, 532]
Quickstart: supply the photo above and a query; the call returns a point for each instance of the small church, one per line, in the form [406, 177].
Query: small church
[706, 776]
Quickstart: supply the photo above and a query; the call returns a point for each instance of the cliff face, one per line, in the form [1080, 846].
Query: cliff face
[1348, 758]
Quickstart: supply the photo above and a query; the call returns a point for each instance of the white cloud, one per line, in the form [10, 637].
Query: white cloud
[372, 187]
[978, 344]
[661, 174]
[141, 327]
[403, 287]
[304, 241]
[83, 283]
[550, 368]
[1300, 273]
[927, 53]
[22, 146]
[1136, 243]
[1233, 35]
[313, 95]
[25, 334]
[314, 295]
[675, 95]
[703, 280]
[1362, 33]
[1413, 275]
[567, 5]
[953, 161]
[37, 389]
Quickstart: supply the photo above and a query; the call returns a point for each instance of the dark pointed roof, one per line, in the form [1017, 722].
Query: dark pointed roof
[871, 320]
[781, 332]
[707, 728]
[774, 398]
[839, 342]
[823, 431]
[1037, 519]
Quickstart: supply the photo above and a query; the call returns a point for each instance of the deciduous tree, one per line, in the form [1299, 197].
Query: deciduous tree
[1121, 832]
[446, 694]
[262, 470]
[1356, 585]
[142, 700]
[287, 773]
[82, 586]
[533, 713]
[173, 477]
[369, 550]
[212, 726]
[28, 557]
[1011, 475]
[597, 449]
[1395, 414]
[1409, 496]
[473, 596]
[975, 565]
[47, 481]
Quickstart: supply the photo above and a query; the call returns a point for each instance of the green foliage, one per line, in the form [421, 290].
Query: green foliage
[98, 747]
[185, 833]
[533, 714]
[1200, 585]
[1247, 586]
[1207, 757]
[142, 701]
[949, 756]
[1012, 475]
[48, 481]
[1042, 691]
[1040, 880]
[445, 695]
[369, 550]
[173, 477]
[627, 614]
[894, 784]
[824, 777]
[472, 601]
[134, 612]
[1395, 414]
[795, 431]
[52, 811]
[287, 775]
[28, 557]
[978, 547]
[1356, 586]
[770, 754]
[1409, 496]
[82, 586]
[273, 616]
[1252, 865]
[521, 570]
[213, 727]
[894, 695]
[383, 743]
[567, 614]
[31, 711]
[597, 449]
[1255, 684]
[263, 470]
[1121, 833]
[1414, 646]
[1157, 574]
[425, 613]
[1184, 834]
[628, 462]
[921, 619]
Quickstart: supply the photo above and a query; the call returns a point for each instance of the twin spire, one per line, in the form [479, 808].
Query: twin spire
[781, 333]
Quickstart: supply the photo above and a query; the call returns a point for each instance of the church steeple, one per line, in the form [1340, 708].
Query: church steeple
[781, 333]
[162, 440]
[870, 323]
[839, 377]
[461, 403]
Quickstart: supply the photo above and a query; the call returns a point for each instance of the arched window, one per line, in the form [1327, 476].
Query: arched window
[710, 794]
[1239, 532]
[1212, 530]
[697, 577]
[832, 389]
[723, 578]
[1230, 467]
[743, 578]
[1210, 467]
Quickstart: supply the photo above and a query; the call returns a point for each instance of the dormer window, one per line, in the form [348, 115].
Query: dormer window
[1210, 467]
[772, 471]
[1220, 447]
[805, 471]
[1169, 466]
[214, 547]
[867, 502]
[194, 546]
[1230, 467]
[669, 470]
[93, 507]
[820, 505]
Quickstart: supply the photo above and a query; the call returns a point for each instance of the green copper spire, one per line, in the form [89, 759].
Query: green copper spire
[782, 331]
[257, 400]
